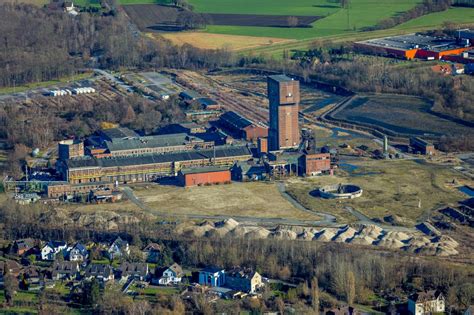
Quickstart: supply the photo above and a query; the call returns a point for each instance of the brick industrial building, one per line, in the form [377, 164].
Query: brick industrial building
[422, 146]
[415, 46]
[316, 163]
[147, 167]
[241, 127]
[69, 149]
[284, 98]
[204, 176]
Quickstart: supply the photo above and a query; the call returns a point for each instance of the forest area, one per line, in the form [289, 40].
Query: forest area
[38, 44]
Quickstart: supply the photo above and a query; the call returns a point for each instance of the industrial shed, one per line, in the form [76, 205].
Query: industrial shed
[241, 127]
[203, 176]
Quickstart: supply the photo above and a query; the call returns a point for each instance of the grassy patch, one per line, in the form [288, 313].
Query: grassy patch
[254, 199]
[129, 2]
[35, 85]
[26, 296]
[35, 2]
[390, 187]
[268, 7]
[455, 15]
[87, 3]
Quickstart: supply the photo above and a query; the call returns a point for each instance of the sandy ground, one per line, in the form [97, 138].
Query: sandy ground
[253, 199]
[218, 41]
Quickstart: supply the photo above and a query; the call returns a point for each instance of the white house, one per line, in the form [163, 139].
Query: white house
[78, 252]
[118, 248]
[427, 302]
[49, 251]
[172, 275]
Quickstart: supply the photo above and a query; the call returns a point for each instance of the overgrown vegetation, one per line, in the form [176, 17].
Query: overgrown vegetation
[42, 45]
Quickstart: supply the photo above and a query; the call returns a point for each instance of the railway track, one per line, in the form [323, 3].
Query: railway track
[227, 97]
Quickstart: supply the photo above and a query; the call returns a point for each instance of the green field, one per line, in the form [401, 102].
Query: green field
[87, 3]
[456, 15]
[127, 2]
[266, 7]
[362, 13]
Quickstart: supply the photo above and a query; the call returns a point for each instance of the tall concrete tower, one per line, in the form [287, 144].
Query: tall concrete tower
[284, 97]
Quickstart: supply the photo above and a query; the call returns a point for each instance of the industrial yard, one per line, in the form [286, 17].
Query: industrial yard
[251, 200]
[406, 190]
[400, 114]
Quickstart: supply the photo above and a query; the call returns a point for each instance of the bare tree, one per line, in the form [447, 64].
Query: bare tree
[315, 294]
[10, 284]
[350, 290]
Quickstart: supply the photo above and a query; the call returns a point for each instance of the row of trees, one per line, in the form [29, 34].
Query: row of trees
[426, 7]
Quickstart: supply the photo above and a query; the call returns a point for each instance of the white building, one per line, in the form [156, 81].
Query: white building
[172, 275]
[51, 249]
[427, 302]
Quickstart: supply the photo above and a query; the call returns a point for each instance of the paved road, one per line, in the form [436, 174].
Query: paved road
[328, 219]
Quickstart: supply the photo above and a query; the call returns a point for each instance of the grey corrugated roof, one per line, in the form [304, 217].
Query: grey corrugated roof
[118, 133]
[148, 142]
[220, 151]
[190, 94]
[280, 78]
[235, 120]
[204, 170]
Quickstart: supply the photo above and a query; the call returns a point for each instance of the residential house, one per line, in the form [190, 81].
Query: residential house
[137, 271]
[118, 248]
[426, 302]
[343, 310]
[31, 274]
[172, 275]
[245, 280]
[13, 268]
[100, 272]
[78, 252]
[65, 270]
[51, 249]
[20, 247]
[212, 276]
[469, 310]
[152, 252]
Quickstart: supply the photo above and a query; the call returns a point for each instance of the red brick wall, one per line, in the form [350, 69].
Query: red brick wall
[252, 132]
[262, 145]
[205, 178]
[316, 163]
